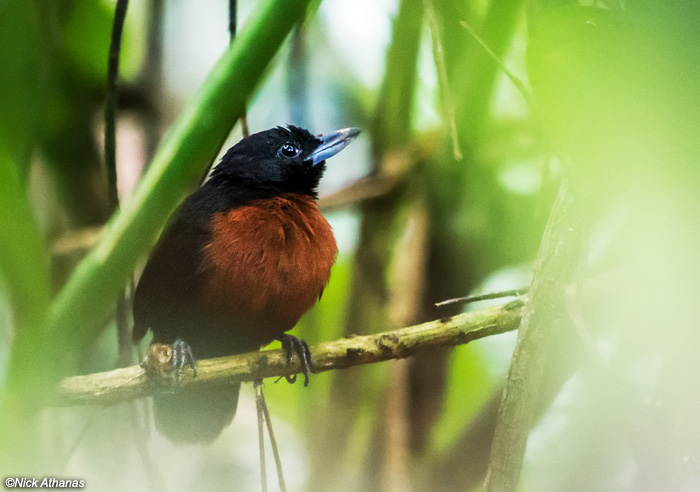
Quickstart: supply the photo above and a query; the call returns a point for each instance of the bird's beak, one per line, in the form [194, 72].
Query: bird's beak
[332, 143]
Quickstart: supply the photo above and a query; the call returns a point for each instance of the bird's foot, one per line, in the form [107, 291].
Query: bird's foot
[293, 345]
[165, 362]
[183, 357]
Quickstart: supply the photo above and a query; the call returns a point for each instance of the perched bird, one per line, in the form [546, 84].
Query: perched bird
[241, 260]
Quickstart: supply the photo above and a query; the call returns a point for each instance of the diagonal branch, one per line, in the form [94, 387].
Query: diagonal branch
[129, 383]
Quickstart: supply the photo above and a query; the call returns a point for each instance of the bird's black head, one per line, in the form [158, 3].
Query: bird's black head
[281, 160]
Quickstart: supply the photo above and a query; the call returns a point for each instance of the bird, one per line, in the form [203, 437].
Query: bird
[241, 259]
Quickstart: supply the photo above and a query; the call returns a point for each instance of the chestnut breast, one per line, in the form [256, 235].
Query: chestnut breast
[268, 262]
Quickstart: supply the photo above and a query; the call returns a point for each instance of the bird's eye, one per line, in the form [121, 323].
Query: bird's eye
[290, 150]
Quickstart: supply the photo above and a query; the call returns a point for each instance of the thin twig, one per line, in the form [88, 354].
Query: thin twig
[150, 467]
[259, 402]
[358, 192]
[273, 441]
[517, 82]
[232, 19]
[75, 445]
[245, 130]
[111, 102]
[76, 241]
[395, 168]
[439, 56]
[124, 344]
[123, 335]
[483, 297]
[129, 383]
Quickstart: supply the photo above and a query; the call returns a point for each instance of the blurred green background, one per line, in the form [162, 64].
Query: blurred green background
[615, 107]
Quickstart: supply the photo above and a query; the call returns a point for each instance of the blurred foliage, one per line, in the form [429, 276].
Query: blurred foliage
[23, 260]
[23, 59]
[617, 99]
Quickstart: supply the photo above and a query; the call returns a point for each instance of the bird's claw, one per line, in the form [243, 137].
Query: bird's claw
[182, 357]
[293, 345]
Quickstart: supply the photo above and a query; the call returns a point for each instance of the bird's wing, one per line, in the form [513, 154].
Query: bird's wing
[171, 281]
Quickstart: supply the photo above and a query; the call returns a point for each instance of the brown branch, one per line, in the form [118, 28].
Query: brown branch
[126, 384]
[395, 168]
[357, 192]
[76, 241]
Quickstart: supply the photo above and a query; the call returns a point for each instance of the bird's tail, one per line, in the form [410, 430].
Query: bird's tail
[196, 415]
